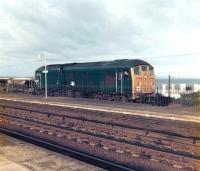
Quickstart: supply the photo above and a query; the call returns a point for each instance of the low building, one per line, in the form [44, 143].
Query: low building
[9, 84]
[176, 90]
[4, 81]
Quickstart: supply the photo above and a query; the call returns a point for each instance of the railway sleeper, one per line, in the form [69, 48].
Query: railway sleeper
[143, 158]
[153, 144]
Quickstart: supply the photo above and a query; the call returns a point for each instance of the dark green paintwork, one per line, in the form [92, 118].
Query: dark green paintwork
[117, 64]
[54, 77]
[90, 77]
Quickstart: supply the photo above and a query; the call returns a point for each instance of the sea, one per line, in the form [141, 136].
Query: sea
[176, 81]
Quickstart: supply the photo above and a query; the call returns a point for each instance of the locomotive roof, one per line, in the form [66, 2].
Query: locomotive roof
[53, 67]
[116, 64]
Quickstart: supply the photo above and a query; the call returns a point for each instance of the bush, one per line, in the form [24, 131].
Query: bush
[191, 100]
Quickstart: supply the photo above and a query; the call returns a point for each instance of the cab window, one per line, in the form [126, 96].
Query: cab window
[144, 68]
[151, 71]
[126, 74]
[137, 70]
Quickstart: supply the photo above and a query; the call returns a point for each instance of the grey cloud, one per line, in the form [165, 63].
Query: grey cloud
[77, 30]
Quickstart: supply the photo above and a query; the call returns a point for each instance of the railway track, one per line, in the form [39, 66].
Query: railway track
[168, 114]
[185, 129]
[105, 136]
[66, 151]
[163, 141]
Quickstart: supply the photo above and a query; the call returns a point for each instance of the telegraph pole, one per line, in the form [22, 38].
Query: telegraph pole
[45, 73]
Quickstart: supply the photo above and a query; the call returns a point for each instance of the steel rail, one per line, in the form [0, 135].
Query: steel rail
[103, 122]
[184, 154]
[151, 114]
[67, 151]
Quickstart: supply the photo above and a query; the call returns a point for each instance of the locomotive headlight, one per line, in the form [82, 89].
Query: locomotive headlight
[138, 88]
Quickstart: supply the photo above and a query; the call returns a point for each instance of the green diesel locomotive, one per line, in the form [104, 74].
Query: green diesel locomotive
[113, 80]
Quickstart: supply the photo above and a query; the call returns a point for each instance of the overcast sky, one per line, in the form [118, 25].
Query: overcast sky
[166, 33]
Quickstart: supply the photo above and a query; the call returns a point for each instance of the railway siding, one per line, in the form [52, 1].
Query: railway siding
[109, 135]
[131, 136]
[130, 155]
[181, 128]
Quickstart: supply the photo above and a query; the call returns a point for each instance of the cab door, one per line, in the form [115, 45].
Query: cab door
[123, 82]
[127, 82]
[119, 82]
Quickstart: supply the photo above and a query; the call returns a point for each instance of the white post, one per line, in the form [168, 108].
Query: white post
[41, 56]
[45, 72]
[164, 89]
[182, 88]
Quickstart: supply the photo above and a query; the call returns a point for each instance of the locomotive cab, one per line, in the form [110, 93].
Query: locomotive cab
[143, 81]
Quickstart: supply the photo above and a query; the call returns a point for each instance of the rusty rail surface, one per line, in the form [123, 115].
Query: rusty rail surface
[130, 143]
[67, 151]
